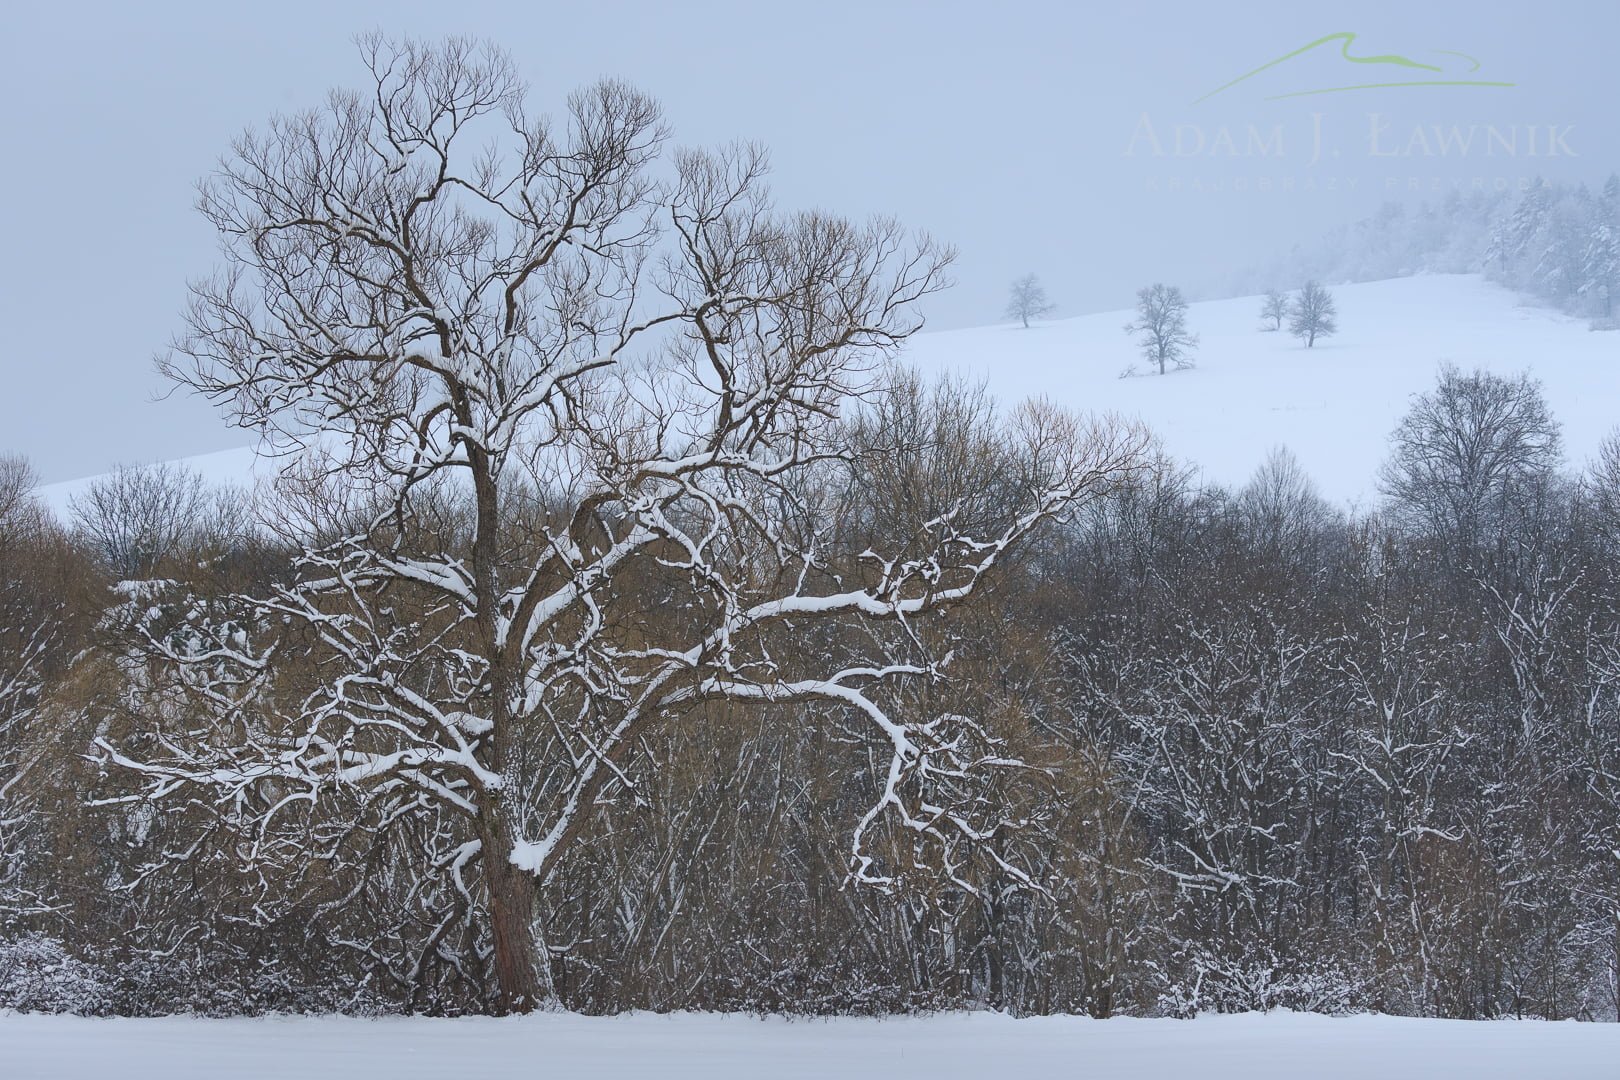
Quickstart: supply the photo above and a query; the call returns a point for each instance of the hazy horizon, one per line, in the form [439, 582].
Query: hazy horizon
[1036, 138]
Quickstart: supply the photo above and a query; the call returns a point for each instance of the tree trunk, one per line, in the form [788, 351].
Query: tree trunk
[521, 962]
[522, 965]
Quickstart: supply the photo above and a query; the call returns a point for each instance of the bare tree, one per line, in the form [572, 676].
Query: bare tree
[1028, 300]
[1274, 308]
[1468, 451]
[1312, 314]
[633, 392]
[17, 503]
[137, 517]
[1161, 320]
[1284, 514]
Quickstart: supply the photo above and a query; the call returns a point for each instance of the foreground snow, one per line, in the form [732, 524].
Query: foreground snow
[1333, 406]
[1250, 1047]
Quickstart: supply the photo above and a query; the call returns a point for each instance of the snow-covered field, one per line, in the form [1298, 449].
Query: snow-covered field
[707, 1047]
[1334, 405]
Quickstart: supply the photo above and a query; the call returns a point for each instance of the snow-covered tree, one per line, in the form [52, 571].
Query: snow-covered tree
[1027, 300]
[1312, 314]
[1600, 260]
[603, 414]
[1514, 237]
[1161, 323]
[1556, 273]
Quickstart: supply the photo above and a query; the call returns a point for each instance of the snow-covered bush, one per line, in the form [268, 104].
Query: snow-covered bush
[1258, 982]
[38, 974]
[223, 983]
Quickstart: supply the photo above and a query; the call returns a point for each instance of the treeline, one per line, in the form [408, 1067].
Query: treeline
[1557, 242]
[1268, 754]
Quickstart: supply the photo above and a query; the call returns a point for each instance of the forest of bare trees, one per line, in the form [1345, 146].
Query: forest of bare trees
[1204, 749]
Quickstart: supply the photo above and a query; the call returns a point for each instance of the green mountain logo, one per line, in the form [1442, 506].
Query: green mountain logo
[1384, 71]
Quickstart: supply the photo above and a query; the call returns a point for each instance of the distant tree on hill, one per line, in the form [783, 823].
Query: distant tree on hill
[1312, 314]
[1161, 320]
[1028, 300]
[1274, 308]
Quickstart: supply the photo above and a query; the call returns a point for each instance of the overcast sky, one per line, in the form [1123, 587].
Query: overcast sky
[1036, 137]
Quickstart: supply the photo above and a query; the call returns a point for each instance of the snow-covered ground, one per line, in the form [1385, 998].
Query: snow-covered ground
[1334, 405]
[707, 1047]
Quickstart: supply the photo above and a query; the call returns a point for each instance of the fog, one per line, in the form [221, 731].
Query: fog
[1098, 149]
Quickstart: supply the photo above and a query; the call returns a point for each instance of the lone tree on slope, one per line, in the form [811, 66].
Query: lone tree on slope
[1028, 300]
[1161, 319]
[1275, 309]
[1313, 314]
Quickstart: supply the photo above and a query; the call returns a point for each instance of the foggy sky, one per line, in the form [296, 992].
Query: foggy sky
[1035, 137]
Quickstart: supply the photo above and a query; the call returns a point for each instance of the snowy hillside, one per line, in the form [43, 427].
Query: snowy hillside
[979, 1045]
[1333, 405]
[240, 467]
